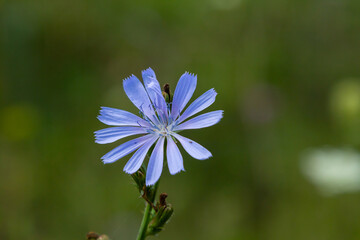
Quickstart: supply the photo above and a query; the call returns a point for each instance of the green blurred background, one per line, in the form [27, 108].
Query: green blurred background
[288, 78]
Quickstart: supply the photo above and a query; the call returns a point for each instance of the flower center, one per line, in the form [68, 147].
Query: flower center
[163, 131]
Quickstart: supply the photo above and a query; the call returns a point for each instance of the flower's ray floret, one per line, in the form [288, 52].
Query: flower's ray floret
[155, 165]
[174, 158]
[193, 148]
[139, 97]
[125, 149]
[109, 135]
[201, 121]
[183, 92]
[159, 121]
[153, 88]
[137, 159]
[117, 117]
[199, 104]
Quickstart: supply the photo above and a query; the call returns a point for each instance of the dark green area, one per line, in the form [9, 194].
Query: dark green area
[279, 67]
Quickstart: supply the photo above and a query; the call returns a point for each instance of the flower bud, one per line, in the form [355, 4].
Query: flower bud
[161, 217]
[139, 178]
[162, 198]
[167, 93]
[166, 214]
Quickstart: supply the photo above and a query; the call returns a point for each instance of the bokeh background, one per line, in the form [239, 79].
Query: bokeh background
[287, 75]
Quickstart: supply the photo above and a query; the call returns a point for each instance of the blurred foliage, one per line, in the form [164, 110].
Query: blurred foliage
[287, 74]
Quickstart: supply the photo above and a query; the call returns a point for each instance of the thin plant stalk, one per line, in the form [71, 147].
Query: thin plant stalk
[146, 217]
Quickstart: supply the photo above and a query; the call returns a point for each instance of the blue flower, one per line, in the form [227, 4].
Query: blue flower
[159, 121]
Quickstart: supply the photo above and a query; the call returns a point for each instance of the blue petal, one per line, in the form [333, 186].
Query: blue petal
[125, 148]
[155, 165]
[183, 92]
[117, 117]
[137, 159]
[174, 157]
[153, 89]
[109, 135]
[201, 121]
[194, 149]
[139, 97]
[199, 104]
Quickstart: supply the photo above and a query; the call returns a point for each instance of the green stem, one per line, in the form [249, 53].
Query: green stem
[146, 217]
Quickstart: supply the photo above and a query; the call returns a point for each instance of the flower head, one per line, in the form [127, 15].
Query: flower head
[159, 122]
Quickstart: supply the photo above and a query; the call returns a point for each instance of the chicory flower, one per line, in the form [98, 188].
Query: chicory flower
[159, 122]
